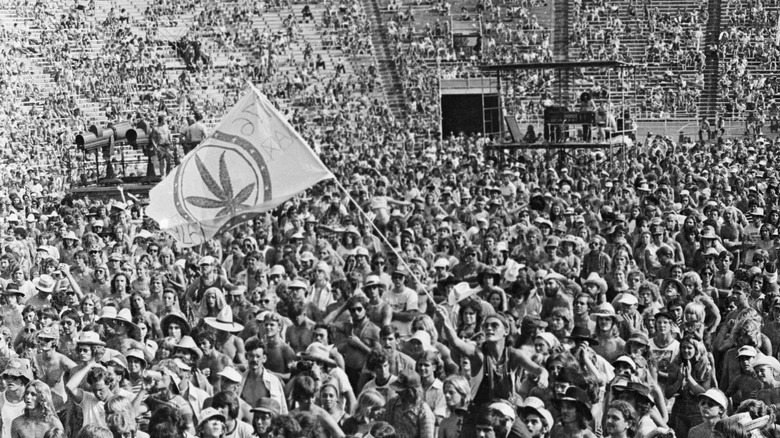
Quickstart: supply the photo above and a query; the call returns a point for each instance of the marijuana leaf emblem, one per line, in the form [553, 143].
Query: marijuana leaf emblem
[222, 191]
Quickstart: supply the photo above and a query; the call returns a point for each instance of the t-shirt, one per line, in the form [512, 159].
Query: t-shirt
[402, 302]
[10, 412]
[242, 430]
[94, 410]
[664, 356]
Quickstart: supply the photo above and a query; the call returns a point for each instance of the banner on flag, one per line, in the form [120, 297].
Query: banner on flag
[253, 162]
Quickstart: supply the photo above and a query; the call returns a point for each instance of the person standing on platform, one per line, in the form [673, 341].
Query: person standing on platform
[194, 133]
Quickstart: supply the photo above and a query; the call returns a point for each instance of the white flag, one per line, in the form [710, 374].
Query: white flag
[253, 162]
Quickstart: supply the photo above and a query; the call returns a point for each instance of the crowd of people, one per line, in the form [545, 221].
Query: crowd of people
[448, 292]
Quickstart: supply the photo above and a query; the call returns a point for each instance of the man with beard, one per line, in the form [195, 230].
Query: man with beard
[554, 294]
[53, 364]
[257, 382]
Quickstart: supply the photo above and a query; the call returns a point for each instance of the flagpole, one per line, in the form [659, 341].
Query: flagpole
[387, 242]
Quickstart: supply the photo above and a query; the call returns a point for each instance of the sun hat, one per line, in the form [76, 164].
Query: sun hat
[89, 338]
[187, 343]
[231, 374]
[18, 367]
[372, 280]
[297, 284]
[549, 338]
[123, 316]
[640, 390]
[136, 354]
[224, 321]
[317, 352]
[765, 360]
[604, 311]
[45, 283]
[533, 321]
[460, 292]
[595, 278]
[178, 318]
[715, 395]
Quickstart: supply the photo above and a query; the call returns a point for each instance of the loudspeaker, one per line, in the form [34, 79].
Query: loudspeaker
[466, 113]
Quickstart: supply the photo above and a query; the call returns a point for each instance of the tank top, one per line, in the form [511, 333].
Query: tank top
[498, 380]
[9, 413]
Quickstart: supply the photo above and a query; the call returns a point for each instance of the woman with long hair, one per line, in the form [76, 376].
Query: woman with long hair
[90, 308]
[690, 374]
[469, 319]
[370, 404]
[457, 396]
[39, 415]
[329, 399]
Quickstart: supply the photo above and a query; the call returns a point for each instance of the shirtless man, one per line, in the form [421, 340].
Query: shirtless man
[257, 382]
[39, 416]
[300, 334]
[278, 354]
[53, 365]
[231, 345]
[213, 361]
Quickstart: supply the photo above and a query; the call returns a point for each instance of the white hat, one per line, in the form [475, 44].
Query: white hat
[424, 338]
[628, 299]
[441, 263]
[504, 408]
[717, 396]
[224, 321]
[231, 374]
[460, 292]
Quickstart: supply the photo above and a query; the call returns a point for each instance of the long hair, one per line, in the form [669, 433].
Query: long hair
[628, 412]
[45, 403]
[461, 385]
[368, 400]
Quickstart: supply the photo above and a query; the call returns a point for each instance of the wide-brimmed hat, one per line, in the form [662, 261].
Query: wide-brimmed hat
[45, 283]
[460, 292]
[12, 289]
[187, 343]
[626, 360]
[18, 367]
[136, 354]
[641, 391]
[407, 379]
[604, 311]
[373, 280]
[708, 233]
[579, 397]
[70, 235]
[580, 333]
[178, 318]
[317, 352]
[595, 278]
[224, 321]
[639, 338]
[89, 338]
[123, 316]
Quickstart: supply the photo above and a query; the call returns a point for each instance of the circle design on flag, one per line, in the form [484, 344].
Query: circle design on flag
[241, 158]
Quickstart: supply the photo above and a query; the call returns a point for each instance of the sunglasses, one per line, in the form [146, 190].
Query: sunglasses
[356, 309]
